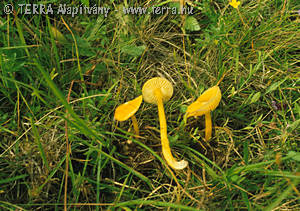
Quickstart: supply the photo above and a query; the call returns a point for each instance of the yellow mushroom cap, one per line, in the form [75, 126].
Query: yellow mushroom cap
[207, 102]
[128, 109]
[151, 85]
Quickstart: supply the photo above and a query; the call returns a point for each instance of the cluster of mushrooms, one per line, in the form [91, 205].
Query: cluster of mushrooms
[159, 90]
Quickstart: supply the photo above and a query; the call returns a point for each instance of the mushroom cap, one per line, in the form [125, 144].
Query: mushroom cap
[207, 102]
[151, 85]
[128, 109]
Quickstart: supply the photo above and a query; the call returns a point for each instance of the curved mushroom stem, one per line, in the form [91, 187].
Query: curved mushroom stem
[166, 150]
[208, 126]
[135, 125]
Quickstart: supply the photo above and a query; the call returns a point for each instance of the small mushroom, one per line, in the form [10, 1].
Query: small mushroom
[206, 103]
[157, 91]
[127, 110]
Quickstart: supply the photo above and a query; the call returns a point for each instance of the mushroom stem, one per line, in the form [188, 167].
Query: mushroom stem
[166, 150]
[208, 126]
[135, 125]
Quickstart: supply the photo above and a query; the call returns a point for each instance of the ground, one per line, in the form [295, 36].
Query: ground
[63, 75]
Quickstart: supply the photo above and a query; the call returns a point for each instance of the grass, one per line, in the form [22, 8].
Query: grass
[62, 78]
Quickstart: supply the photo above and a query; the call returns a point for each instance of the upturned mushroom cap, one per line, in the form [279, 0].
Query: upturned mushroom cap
[207, 102]
[128, 109]
[151, 85]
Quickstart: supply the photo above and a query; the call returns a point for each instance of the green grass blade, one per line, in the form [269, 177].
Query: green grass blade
[81, 123]
[282, 196]
[39, 144]
[156, 203]
[7, 180]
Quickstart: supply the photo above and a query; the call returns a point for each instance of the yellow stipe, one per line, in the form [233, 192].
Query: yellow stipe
[135, 125]
[166, 150]
[208, 126]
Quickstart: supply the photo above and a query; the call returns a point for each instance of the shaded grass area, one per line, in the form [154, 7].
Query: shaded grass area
[62, 77]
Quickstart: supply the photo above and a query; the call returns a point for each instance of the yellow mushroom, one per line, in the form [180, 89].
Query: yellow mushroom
[157, 91]
[206, 103]
[127, 110]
